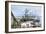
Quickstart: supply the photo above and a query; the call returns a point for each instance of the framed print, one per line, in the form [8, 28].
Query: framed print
[24, 16]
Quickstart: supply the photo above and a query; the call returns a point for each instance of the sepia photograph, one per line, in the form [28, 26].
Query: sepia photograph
[25, 16]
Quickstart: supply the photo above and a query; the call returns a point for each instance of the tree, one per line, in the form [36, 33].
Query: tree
[25, 17]
[26, 11]
[15, 22]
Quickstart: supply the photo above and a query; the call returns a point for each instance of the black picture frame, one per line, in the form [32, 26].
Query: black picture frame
[7, 16]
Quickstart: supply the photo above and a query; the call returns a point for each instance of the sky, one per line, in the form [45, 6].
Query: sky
[19, 10]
